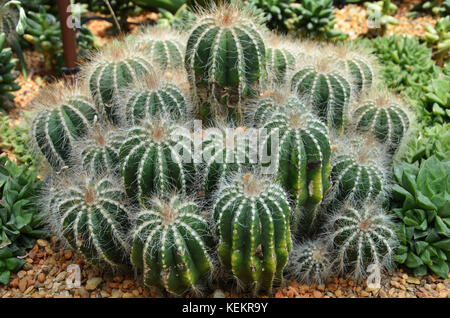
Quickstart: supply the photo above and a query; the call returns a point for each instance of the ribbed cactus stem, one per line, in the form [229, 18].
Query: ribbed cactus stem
[252, 221]
[384, 117]
[358, 169]
[156, 156]
[90, 214]
[326, 90]
[362, 237]
[310, 262]
[152, 98]
[114, 69]
[224, 151]
[225, 61]
[171, 243]
[279, 62]
[302, 156]
[100, 151]
[65, 118]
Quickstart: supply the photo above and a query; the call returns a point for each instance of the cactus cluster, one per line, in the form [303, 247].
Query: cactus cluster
[7, 75]
[280, 148]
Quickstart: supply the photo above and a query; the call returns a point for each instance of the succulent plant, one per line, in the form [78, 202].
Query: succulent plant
[252, 221]
[329, 92]
[384, 116]
[7, 75]
[314, 18]
[359, 169]
[421, 203]
[379, 15]
[436, 99]
[21, 220]
[43, 31]
[224, 151]
[182, 19]
[99, 151]
[225, 61]
[276, 13]
[310, 262]
[361, 237]
[113, 69]
[280, 59]
[438, 37]
[302, 155]
[91, 215]
[171, 243]
[152, 97]
[65, 116]
[165, 47]
[156, 157]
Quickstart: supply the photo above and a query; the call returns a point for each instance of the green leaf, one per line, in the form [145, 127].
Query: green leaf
[413, 261]
[4, 277]
[440, 268]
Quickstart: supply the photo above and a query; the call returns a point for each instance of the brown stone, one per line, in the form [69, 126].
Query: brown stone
[14, 283]
[23, 283]
[338, 293]
[317, 294]
[68, 255]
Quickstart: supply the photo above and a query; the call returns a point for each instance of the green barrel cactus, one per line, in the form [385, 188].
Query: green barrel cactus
[7, 74]
[170, 245]
[385, 117]
[156, 156]
[301, 156]
[280, 58]
[310, 262]
[164, 46]
[65, 117]
[326, 90]
[252, 217]
[153, 97]
[224, 151]
[100, 151]
[358, 172]
[92, 216]
[225, 61]
[362, 237]
[113, 69]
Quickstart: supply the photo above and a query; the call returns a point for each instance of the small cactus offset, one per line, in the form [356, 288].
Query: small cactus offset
[156, 157]
[359, 169]
[152, 97]
[384, 116]
[310, 262]
[91, 215]
[171, 241]
[224, 151]
[358, 64]
[65, 117]
[252, 221]
[7, 75]
[100, 150]
[362, 237]
[280, 59]
[302, 155]
[113, 69]
[329, 92]
[164, 46]
[225, 61]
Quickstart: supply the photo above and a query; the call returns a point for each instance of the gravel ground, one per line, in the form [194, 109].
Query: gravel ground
[45, 272]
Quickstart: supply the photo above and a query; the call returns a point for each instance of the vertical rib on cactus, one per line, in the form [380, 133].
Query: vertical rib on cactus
[156, 156]
[329, 92]
[302, 156]
[384, 116]
[171, 242]
[359, 168]
[164, 46]
[114, 68]
[65, 116]
[225, 60]
[91, 215]
[155, 96]
[361, 237]
[359, 65]
[252, 220]
[280, 60]
[224, 151]
[99, 152]
[310, 262]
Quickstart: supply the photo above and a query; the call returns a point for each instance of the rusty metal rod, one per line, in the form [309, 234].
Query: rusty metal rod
[68, 36]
